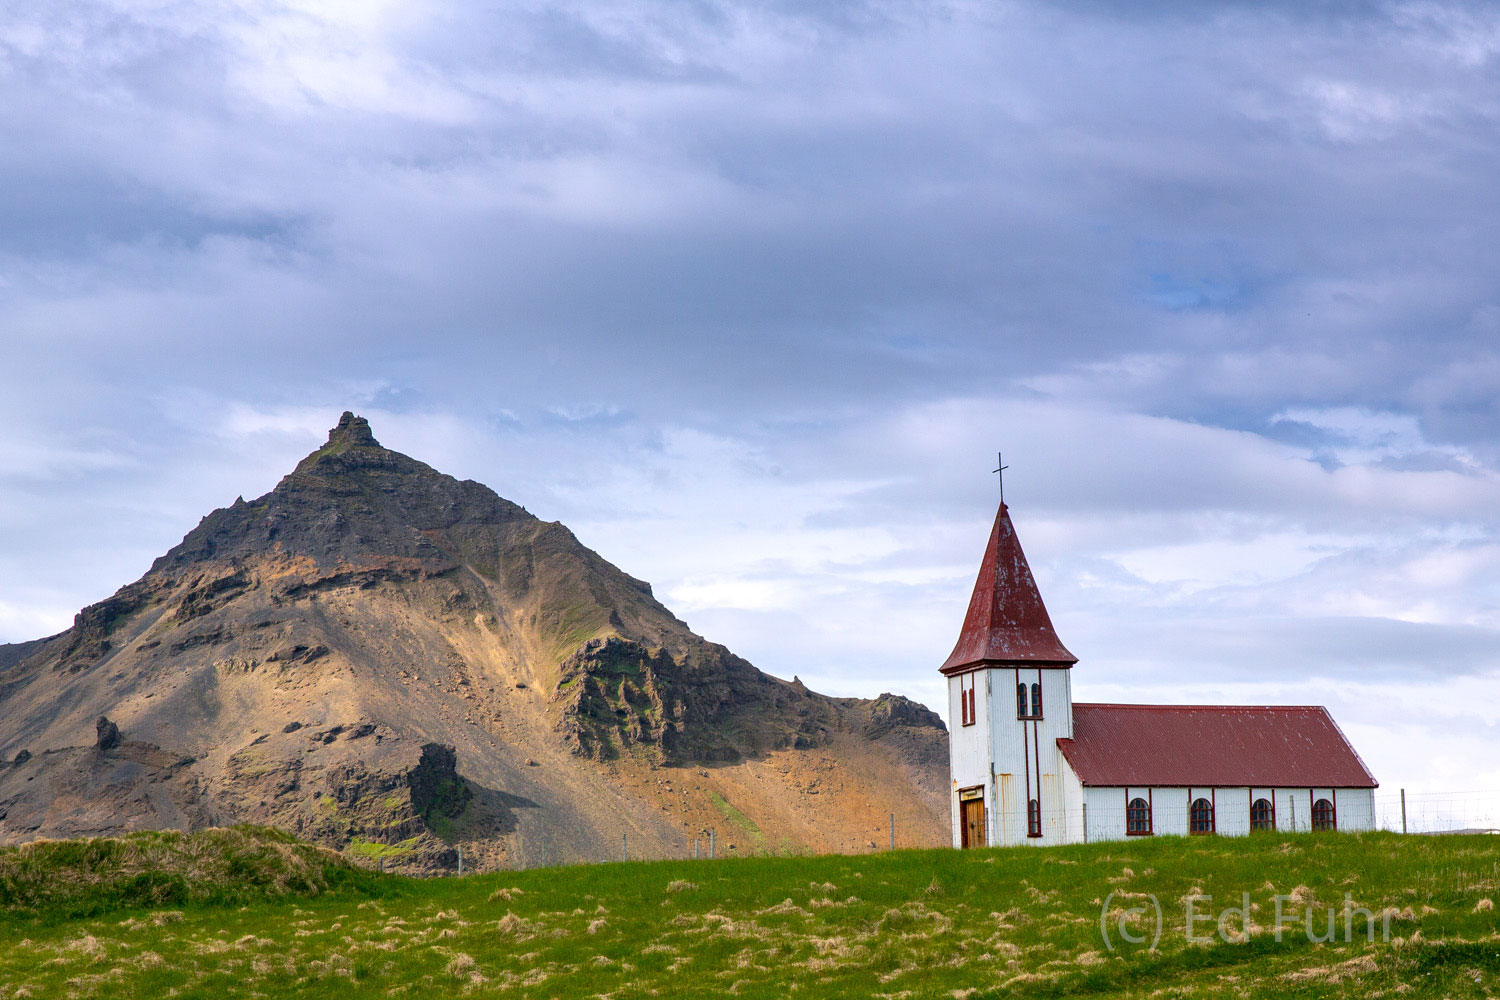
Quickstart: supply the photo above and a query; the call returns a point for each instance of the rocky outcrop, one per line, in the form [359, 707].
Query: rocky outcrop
[704, 705]
[892, 710]
[437, 792]
[106, 734]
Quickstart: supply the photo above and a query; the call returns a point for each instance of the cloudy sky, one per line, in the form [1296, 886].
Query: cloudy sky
[750, 294]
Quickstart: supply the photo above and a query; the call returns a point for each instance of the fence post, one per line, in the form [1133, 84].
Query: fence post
[1085, 822]
[1292, 801]
[1403, 810]
[695, 848]
[893, 831]
[624, 848]
[460, 861]
[710, 843]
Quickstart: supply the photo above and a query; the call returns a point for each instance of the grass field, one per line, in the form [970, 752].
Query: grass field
[1009, 922]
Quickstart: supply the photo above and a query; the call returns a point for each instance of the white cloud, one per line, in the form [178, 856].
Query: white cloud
[749, 295]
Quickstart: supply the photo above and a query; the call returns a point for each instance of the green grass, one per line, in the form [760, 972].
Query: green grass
[375, 851]
[57, 880]
[739, 819]
[1021, 922]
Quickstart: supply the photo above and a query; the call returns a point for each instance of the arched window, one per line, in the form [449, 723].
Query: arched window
[1034, 818]
[1262, 816]
[1036, 701]
[1021, 712]
[1323, 816]
[1201, 816]
[1138, 818]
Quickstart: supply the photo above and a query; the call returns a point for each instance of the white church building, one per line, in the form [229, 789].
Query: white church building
[1030, 766]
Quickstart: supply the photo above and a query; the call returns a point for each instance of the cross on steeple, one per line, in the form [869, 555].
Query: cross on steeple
[1000, 461]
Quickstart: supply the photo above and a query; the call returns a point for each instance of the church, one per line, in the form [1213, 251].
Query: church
[1029, 766]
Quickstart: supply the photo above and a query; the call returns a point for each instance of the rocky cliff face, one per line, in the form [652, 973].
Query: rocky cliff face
[390, 660]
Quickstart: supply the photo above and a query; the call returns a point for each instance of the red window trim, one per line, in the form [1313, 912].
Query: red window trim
[1213, 819]
[1030, 695]
[1271, 810]
[1333, 810]
[966, 701]
[1150, 816]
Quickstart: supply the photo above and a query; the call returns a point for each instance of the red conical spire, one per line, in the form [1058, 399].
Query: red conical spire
[1007, 622]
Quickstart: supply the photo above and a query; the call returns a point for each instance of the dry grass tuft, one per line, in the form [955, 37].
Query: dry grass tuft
[513, 926]
[89, 946]
[785, 906]
[1362, 965]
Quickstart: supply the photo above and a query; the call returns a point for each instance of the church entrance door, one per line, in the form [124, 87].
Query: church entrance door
[971, 820]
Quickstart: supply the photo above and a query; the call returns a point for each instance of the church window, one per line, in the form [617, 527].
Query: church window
[1034, 818]
[966, 699]
[1138, 818]
[1323, 815]
[1201, 816]
[1021, 711]
[1036, 701]
[1262, 816]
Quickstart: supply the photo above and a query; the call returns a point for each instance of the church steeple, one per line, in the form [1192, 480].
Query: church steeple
[1007, 623]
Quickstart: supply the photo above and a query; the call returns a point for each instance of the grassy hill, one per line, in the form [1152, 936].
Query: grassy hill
[1011, 922]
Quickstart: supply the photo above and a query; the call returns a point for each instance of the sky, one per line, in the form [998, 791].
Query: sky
[749, 295]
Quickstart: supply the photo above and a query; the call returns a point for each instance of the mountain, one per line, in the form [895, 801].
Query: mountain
[391, 661]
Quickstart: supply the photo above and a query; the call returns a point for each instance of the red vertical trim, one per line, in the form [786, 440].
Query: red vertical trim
[1312, 810]
[1273, 809]
[1036, 741]
[1026, 753]
[1335, 793]
[1037, 748]
[1150, 811]
[1213, 810]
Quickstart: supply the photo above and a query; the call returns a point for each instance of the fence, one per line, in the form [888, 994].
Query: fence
[1406, 811]
[1397, 810]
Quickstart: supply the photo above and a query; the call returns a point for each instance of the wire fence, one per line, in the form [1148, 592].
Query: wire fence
[1397, 811]
[1404, 811]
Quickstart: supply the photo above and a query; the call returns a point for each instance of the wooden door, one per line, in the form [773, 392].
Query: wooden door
[972, 816]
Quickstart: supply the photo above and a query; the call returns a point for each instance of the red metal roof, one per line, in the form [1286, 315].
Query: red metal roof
[1007, 622]
[1285, 746]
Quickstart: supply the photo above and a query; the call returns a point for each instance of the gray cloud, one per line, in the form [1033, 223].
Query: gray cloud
[749, 292]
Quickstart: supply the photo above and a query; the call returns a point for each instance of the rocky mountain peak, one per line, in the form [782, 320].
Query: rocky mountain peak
[351, 446]
[352, 432]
